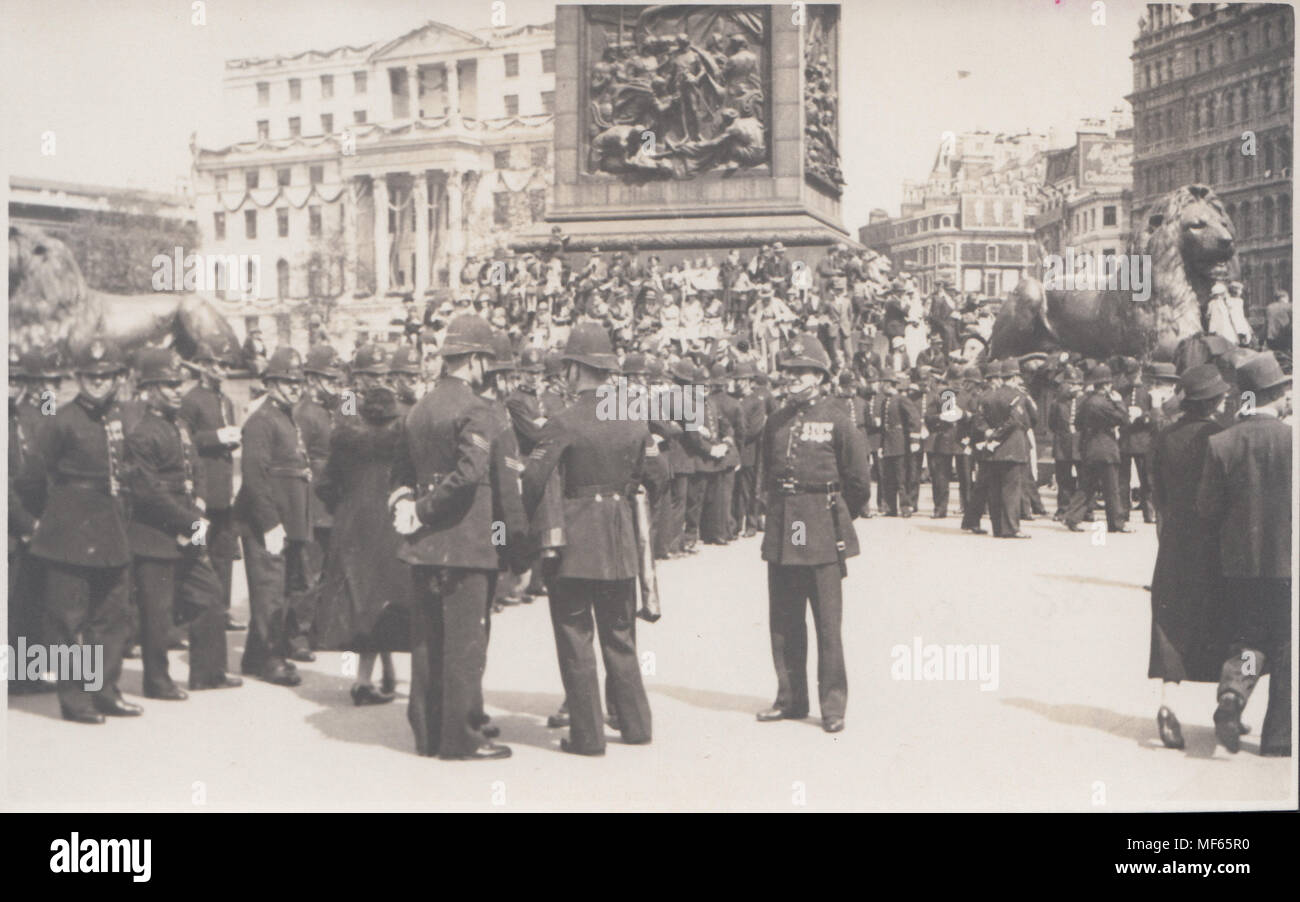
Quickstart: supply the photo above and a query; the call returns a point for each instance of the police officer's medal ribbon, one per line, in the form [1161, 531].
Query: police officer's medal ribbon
[114, 438]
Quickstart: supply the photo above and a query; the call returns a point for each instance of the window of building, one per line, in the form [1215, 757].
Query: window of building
[295, 126]
[1227, 106]
[512, 104]
[220, 180]
[501, 158]
[316, 174]
[1169, 69]
[991, 284]
[1243, 220]
[1197, 58]
[314, 276]
[295, 89]
[947, 222]
[358, 82]
[501, 208]
[548, 101]
[945, 253]
[1266, 217]
[263, 93]
[1245, 103]
[250, 178]
[263, 130]
[1245, 43]
[1169, 123]
[512, 65]
[1209, 54]
[1110, 215]
[327, 123]
[282, 222]
[250, 223]
[1231, 47]
[313, 221]
[358, 117]
[282, 321]
[1266, 94]
[548, 60]
[1196, 170]
[1147, 76]
[539, 154]
[1247, 163]
[1209, 111]
[1284, 215]
[991, 254]
[219, 225]
[537, 204]
[283, 176]
[1230, 164]
[326, 86]
[1211, 168]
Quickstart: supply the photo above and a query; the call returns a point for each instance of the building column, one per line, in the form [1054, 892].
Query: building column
[420, 203]
[453, 89]
[413, 90]
[455, 235]
[380, 195]
[351, 194]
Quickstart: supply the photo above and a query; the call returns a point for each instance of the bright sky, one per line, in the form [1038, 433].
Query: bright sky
[123, 83]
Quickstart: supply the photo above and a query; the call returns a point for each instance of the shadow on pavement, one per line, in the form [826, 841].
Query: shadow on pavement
[1092, 580]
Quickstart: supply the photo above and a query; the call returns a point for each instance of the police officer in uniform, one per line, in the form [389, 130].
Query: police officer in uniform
[1065, 440]
[1002, 421]
[405, 371]
[210, 414]
[816, 465]
[1100, 417]
[602, 462]
[33, 389]
[169, 534]
[272, 512]
[315, 415]
[81, 534]
[442, 504]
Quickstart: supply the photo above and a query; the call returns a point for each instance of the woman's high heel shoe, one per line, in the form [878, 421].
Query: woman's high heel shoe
[1171, 731]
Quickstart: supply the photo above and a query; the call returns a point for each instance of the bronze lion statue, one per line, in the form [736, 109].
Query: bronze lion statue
[51, 304]
[1189, 241]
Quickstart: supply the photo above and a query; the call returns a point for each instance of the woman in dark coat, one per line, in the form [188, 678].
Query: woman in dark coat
[1186, 641]
[365, 594]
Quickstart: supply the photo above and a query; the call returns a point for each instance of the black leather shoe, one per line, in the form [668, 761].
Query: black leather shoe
[1227, 721]
[1123, 529]
[566, 746]
[366, 694]
[82, 716]
[283, 675]
[938, 516]
[178, 645]
[770, 714]
[118, 708]
[225, 681]
[977, 530]
[833, 724]
[558, 719]
[302, 654]
[1171, 731]
[233, 625]
[1019, 535]
[487, 752]
[174, 694]
[1073, 527]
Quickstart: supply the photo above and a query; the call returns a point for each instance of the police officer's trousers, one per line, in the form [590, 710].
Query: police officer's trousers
[1005, 492]
[573, 602]
[87, 607]
[940, 479]
[790, 589]
[892, 490]
[274, 580]
[1260, 624]
[448, 656]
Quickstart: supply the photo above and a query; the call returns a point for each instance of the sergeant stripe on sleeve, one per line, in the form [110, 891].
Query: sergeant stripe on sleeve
[480, 442]
[515, 464]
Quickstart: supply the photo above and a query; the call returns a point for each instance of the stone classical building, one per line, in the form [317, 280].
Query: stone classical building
[360, 175]
[1086, 192]
[968, 223]
[1211, 83]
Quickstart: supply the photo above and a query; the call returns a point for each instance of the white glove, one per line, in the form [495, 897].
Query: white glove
[274, 540]
[718, 451]
[228, 435]
[405, 520]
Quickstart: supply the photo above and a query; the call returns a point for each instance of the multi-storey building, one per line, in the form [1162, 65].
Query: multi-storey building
[1213, 104]
[1086, 191]
[967, 223]
[359, 175]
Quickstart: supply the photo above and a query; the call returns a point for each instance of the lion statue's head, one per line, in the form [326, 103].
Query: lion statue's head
[46, 288]
[1190, 240]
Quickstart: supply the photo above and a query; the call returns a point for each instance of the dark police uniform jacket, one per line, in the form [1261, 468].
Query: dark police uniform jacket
[276, 477]
[165, 469]
[82, 451]
[26, 422]
[945, 437]
[1099, 419]
[898, 421]
[1136, 437]
[316, 422]
[206, 411]
[444, 457]
[814, 458]
[505, 472]
[753, 414]
[602, 461]
[1066, 440]
[1002, 412]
